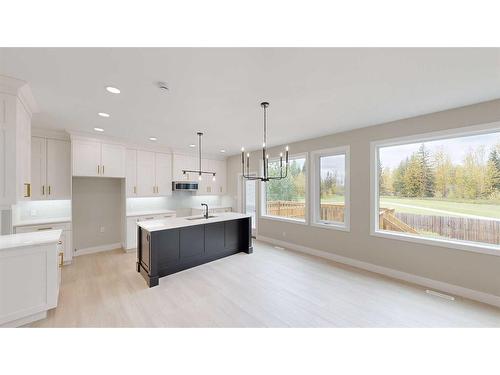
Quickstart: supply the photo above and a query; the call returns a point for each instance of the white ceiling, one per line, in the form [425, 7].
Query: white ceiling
[312, 92]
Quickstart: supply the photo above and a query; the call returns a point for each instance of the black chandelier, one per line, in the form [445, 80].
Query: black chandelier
[265, 157]
[200, 172]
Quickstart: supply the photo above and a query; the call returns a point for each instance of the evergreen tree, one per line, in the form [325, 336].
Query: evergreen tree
[427, 178]
[398, 184]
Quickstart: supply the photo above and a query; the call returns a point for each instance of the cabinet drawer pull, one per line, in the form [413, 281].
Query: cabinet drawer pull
[135, 189]
[47, 228]
[149, 218]
[43, 189]
[61, 259]
[28, 190]
[103, 169]
[98, 169]
[49, 189]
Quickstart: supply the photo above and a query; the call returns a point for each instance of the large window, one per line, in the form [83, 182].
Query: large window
[331, 188]
[286, 198]
[439, 188]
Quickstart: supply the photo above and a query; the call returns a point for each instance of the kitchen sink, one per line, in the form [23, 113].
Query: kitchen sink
[200, 217]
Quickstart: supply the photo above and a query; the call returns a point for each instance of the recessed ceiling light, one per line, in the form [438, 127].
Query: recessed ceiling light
[99, 129]
[113, 90]
[222, 150]
[192, 145]
[103, 114]
[153, 138]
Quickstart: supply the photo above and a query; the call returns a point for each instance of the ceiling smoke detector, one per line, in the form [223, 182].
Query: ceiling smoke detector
[163, 86]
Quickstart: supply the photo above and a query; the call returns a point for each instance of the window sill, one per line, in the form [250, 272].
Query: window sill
[333, 226]
[458, 245]
[284, 219]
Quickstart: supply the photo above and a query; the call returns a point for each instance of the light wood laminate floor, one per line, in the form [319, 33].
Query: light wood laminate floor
[269, 288]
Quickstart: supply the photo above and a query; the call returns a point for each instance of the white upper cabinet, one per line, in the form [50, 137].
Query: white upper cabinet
[86, 158]
[146, 181]
[50, 168]
[163, 174]
[58, 181]
[112, 160]
[94, 158]
[221, 178]
[149, 174]
[16, 108]
[38, 167]
[131, 172]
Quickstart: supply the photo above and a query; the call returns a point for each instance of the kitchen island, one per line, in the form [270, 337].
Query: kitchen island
[174, 244]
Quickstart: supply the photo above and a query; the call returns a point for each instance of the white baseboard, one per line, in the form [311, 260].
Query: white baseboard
[98, 249]
[475, 295]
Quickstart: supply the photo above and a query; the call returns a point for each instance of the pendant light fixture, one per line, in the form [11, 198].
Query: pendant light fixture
[265, 157]
[200, 172]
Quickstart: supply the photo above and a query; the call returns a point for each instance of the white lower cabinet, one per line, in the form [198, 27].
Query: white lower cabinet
[65, 242]
[131, 235]
[29, 277]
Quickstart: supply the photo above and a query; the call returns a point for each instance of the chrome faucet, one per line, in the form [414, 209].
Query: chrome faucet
[206, 210]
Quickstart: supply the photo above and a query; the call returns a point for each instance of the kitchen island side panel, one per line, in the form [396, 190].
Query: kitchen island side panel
[168, 251]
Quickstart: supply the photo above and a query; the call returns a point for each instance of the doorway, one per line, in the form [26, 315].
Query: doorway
[250, 202]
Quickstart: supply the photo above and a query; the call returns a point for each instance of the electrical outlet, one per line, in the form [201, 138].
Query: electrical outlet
[33, 212]
[101, 229]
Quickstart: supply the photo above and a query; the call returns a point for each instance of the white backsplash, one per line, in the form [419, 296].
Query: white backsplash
[48, 209]
[180, 202]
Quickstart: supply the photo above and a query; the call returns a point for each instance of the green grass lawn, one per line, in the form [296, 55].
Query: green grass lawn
[483, 208]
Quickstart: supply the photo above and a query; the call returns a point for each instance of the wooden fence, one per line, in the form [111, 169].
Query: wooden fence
[458, 228]
[296, 210]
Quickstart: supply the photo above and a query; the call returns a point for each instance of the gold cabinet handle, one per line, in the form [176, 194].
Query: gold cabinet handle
[98, 169]
[61, 259]
[49, 189]
[28, 190]
[135, 189]
[43, 189]
[47, 228]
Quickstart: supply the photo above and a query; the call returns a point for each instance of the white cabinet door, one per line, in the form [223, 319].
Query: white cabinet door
[184, 162]
[145, 173]
[163, 168]
[131, 233]
[86, 157]
[131, 172]
[38, 168]
[23, 154]
[221, 185]
[68, 246]
[112, 160]
[58, 185]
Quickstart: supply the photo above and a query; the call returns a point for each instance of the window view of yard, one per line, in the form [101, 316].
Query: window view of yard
[332, 188]
[443, 189]
[286, 197]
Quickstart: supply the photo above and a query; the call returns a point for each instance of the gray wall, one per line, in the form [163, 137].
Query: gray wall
[467, 269]
[96, 201]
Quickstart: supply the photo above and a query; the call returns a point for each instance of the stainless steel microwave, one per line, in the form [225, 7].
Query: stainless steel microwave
[184, 186]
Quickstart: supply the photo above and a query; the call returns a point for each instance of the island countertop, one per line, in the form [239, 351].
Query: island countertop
[29, 239]
[179, 222]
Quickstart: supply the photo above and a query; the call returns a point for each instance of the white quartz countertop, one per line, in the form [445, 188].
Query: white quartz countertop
[179, 222]
[149, 212]
[54, 220]
[11, 241]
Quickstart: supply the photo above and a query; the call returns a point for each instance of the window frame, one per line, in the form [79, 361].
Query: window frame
[315, 188]
[477, 247]
[263, 194]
